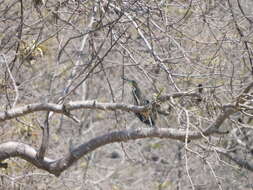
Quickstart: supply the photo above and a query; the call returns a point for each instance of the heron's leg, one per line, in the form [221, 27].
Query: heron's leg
[151, 122]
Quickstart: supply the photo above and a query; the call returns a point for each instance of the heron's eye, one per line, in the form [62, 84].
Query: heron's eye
[146, 101]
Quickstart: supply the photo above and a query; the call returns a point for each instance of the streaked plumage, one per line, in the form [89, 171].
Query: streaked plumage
[147, 117]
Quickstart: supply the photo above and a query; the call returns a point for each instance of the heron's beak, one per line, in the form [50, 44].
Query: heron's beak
[126, 79]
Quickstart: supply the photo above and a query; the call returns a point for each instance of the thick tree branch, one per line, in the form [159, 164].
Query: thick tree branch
[24, 151]
[16, 149]
[75, 105]
[91, 104]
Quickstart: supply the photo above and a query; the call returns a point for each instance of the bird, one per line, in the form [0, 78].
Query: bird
[147, 117]
[200, 91]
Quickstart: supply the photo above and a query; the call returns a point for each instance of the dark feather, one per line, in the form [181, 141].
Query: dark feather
[139, 100]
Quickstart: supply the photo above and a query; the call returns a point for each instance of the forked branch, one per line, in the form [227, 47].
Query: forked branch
[16, 149]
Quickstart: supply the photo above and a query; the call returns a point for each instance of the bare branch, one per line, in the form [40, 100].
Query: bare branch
[90, 104]
[227, 111]
[12, 79]
[178, 95]
[235, 158]
[65, 108]
[45, 139]
[16, 149]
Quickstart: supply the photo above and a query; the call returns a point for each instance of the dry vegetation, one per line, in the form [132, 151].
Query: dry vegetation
[67, 118]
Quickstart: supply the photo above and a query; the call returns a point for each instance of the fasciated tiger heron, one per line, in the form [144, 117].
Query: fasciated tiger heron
[147, 117]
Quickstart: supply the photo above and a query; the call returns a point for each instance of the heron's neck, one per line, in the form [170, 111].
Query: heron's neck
[137, 95]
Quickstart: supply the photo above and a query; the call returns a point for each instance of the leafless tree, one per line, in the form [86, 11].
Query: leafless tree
[67, 118]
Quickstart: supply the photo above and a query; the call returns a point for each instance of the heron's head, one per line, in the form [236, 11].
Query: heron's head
[133, 83]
